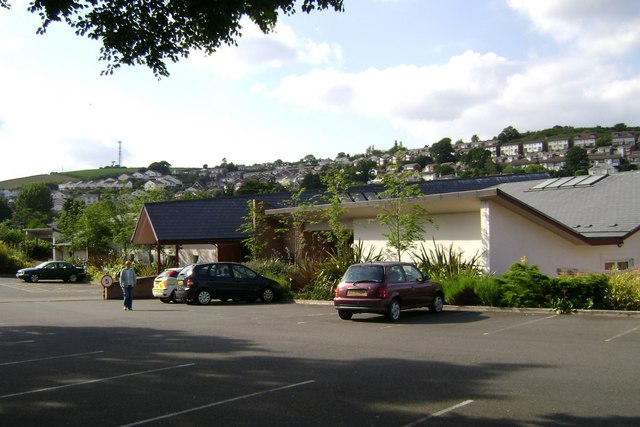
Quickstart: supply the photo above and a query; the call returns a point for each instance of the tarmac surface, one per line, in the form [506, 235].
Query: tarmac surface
[67, 357]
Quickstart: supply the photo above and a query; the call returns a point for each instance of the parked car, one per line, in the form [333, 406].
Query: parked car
[201, 283]
[387, 288]
[165, 284]
[53, 270]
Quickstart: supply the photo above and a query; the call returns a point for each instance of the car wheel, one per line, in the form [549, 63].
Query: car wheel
[437, 305]
[268, 295]
[393, 312]
[345, 315]
[204, 297]
[33, 278]
[73, 278]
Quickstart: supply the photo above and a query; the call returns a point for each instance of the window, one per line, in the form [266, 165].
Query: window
[412, 273]
[618, 265]
[395, 274]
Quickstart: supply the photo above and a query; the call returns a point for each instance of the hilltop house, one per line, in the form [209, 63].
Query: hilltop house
[572, 224]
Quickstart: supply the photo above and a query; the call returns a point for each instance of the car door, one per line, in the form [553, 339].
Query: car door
[397, 282]
[50, 271]
[222, 281]
[247, 282]
[423, 290]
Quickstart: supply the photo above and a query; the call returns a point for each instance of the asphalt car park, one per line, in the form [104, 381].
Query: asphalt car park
[70, 358]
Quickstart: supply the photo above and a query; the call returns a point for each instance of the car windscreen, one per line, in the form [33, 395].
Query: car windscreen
[364, 273]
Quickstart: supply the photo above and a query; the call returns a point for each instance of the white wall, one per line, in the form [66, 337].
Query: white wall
[460, 229]
[511, 237]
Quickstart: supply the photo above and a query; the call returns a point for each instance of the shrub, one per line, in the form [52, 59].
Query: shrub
[441, 263]
[488, 290]
[522, 286]
[623, 292]
[460, 289]
[566, 293]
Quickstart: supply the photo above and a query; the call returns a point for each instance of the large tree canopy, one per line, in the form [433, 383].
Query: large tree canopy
[149, 32]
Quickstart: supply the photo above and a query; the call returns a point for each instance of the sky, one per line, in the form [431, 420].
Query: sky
[412, 71]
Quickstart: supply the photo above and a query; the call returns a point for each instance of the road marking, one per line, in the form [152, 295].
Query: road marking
[622, 334]
[97, 380]
[50, 358]
[520, 324]
[439, 413]
[222, 402]
[18, 342]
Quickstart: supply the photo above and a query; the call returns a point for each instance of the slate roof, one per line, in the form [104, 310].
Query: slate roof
[606, 208]
[217, 220]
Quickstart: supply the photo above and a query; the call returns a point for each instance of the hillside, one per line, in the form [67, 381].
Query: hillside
[59, 178]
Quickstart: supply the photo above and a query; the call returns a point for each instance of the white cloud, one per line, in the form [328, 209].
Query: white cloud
[257, 51]
[602, 27]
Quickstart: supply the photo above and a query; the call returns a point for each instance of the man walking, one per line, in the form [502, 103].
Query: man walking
[127, 282]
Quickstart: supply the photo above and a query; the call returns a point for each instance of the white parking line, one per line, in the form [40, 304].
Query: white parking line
[40, 390]
[622, 334]
[18, 342]
[439, 413]
[222, 402]
[50, 358]
[520, 324]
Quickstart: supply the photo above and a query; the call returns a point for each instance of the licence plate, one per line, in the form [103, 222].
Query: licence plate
[356, 292]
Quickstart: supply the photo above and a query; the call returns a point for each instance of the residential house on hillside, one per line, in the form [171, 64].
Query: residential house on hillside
[559, 144]
[585, 140]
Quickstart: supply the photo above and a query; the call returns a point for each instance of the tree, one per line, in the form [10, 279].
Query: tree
[34, 206]
[254, 224]
[476, 159]
[150, 32]
[575, 159]
[442, 151]
[162, 167]
[404, 219]
[337, 183]
[258, 187]
[508, 134]
[5, 210]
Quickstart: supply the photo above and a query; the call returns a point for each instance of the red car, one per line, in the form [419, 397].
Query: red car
[386, 288]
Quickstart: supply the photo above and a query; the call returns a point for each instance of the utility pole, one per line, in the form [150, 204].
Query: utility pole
[119, 153]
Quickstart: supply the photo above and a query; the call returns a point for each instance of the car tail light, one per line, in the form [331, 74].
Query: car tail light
[382, 292]
[337, 292]
[189, 282]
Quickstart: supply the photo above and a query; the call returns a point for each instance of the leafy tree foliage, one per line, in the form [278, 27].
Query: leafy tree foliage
[5, 210]
[258, 187]
[312, 181]
[150, 32]
[478, 161]
[34, 206]
[508, 134]
[337, 183]
[442, 151]
[405, 221]
[254, 224]
[162, 167]
[575, 159]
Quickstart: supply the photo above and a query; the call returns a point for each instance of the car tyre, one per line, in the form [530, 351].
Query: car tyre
[33, 278]
[437, 305]
[204, 297]
[393, 312]
[73, 278]
[345, 315]
[268, 295]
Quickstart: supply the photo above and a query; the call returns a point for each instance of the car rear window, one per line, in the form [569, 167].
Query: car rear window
[367, 273]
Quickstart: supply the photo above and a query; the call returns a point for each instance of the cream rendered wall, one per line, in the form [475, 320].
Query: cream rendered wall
[460, 229]
[511, 237]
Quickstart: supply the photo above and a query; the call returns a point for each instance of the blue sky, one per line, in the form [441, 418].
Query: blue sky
[414, 71]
